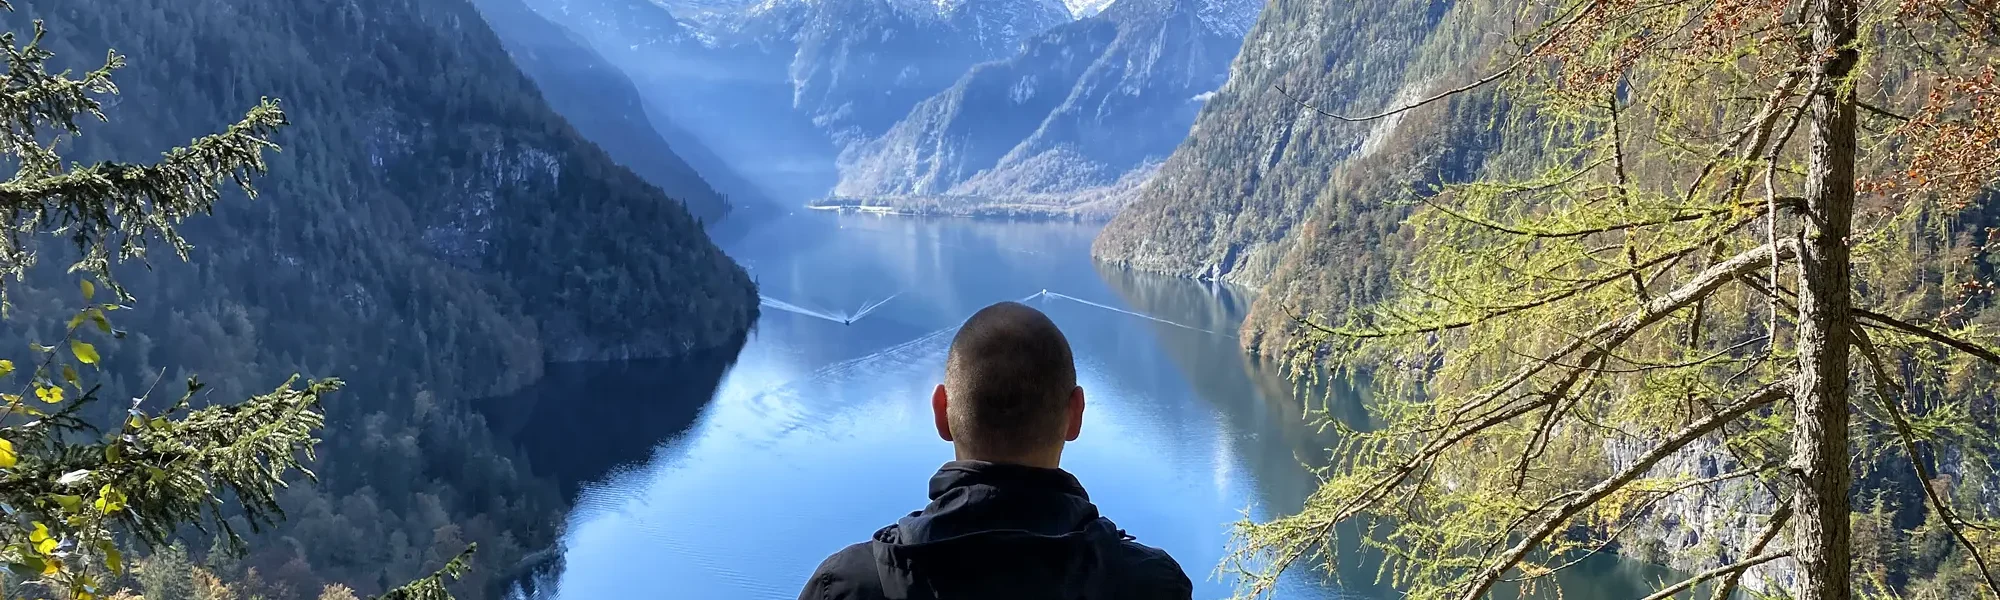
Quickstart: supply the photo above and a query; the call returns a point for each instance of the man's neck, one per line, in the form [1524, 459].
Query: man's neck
[1044, 460]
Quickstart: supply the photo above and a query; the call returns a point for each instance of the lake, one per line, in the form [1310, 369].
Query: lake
[732, 474]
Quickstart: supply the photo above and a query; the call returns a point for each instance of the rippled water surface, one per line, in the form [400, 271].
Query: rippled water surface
[712, 478]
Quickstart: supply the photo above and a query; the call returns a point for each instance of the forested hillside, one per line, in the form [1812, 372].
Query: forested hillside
[431, 231]
[601, 102]
[1606, 298]
[1230, 201]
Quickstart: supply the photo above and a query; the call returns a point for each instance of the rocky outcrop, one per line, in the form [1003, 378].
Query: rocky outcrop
[1079, 107]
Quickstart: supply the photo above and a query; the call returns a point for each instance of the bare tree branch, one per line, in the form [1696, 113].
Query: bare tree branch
[1772, 529]
[1624, 200]
[1765, 118]
[1880, 111]
[1920, 331]
[1462, 423]
[1907, 436]
[1732, 570]
[1882, 321]
[1483, 582]
[1558, 26]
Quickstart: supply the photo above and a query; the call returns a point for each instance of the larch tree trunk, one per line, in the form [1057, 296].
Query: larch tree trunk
[1819, 442]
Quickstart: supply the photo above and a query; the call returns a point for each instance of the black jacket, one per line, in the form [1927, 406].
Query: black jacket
[1000, 531]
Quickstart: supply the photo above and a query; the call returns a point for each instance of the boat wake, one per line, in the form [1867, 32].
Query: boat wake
[1059, 296]
[866, 309]
[869, 308]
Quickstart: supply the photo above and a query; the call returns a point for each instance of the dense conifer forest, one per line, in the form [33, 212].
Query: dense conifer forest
[430, 231]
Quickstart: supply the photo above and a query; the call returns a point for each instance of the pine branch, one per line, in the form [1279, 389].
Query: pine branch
[433, 587]
[129, 201]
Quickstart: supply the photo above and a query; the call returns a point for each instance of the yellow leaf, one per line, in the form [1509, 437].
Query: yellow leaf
[89, 289]
[109, 500]
[40, 534]
[6, 367]
[85, 353]
[7, 456]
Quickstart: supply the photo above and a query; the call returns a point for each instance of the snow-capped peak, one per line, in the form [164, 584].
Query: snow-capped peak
[1086, 8]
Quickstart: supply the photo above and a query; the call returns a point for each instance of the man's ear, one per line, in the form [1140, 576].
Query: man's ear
[940, 407]
[1075, 414]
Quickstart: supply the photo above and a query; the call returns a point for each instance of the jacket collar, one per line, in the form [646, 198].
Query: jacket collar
[969, 473]
[971, 497]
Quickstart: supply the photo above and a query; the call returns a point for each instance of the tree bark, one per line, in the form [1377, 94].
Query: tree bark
[1819, 442]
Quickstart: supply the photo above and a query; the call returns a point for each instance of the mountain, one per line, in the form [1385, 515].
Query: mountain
[782, 87]
[601, 102]
[432, 232]
[1226, 203]
[1079, 107]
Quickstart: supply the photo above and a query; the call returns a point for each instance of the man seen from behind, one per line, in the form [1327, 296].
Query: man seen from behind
[1004, 521]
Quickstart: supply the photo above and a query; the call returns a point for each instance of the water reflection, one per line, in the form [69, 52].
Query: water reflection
[820, 431]
[582, 421]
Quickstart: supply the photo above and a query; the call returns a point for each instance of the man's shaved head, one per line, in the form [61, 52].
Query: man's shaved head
[1010, 378]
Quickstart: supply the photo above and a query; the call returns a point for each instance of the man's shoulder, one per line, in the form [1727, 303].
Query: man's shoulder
[1152, 570]
[848, 573]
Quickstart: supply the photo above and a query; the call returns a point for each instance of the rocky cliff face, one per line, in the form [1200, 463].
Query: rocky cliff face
[1257, 161]
[779, 88]
[602, 104]
[1077, 108]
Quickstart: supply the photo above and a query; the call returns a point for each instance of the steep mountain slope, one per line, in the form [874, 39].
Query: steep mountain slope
[432, 232]
[600, 101]
[860, 64]
[1256, 161]
[1079, 107]
[779, 88]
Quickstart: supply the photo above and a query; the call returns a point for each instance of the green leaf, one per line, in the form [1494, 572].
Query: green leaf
[85, 353]
[97, 316]
[69, 503]
[7, 455]
[6, 367]
[112, 558]
[89, 289]
[29, 567]
[113, 452]
[69, 375]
